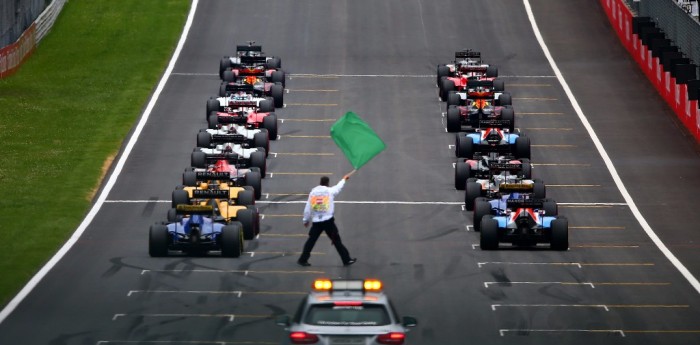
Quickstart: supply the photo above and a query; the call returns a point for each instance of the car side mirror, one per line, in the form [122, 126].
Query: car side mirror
[409, 321]
[282, 321]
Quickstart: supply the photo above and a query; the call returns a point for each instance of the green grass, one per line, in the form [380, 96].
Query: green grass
[64, 115]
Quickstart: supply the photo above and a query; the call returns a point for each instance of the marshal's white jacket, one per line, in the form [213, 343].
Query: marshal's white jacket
[320, 204]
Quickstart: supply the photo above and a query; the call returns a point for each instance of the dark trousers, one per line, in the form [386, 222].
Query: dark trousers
[332, 232]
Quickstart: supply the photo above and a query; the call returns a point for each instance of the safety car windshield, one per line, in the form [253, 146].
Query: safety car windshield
[347, 315]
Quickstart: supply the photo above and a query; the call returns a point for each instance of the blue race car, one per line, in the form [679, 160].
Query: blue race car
[196, 230]
[492, 136]
[523, 222]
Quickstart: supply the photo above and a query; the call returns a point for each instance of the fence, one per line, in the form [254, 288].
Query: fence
[13, 54]
[678, 25]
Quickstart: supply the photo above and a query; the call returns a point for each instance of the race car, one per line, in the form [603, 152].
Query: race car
[346, 312]
[230, 203]
[252, 85]
[236, 134]
[491, 90]
[235, 154]
[477, 109]
[195, 231]
[250, 116]
[479, 167]
[525, 222]
[492, 136]
[240, 99]
[467, 67]
[503, 178]
[221, 170]
[250, 60]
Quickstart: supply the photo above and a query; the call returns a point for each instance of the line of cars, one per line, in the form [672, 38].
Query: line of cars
[213, 209]
[493, 159]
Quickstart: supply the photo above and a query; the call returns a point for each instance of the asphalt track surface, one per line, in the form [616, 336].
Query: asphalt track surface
[378, 59]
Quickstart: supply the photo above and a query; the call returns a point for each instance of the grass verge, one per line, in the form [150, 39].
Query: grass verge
[64, 115]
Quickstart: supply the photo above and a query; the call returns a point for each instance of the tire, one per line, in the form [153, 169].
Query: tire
[253, 179]
[508, 114]
[172, 216]
[246, 217]
[229, 77]
[499, 85]
[464, 147]
[447, 86]
[442, 71]
[539, 190]
[257, 159]
[222, 89]
[278, 77]
[560, 234]
[471, 191]
[491, 72]
[158, 241]
[482, 207]
[213, 121]
[179, 197]
[245, 198]
[203, 139]
[232, 240]
[256, 216]
[277, 93]
[462, 173]
[270, 123]
[526, 170]
[550, 208]
[489, 233]
[198, 159]
[266, 106]
[224, 64]
[522, 147]
[189, 178]
[453, 99]
[262, 141]
[212, 105]
[454, 121]
[273, 63]
[505, 99]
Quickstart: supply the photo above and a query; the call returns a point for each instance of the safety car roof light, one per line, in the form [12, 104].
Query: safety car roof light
[366, 285]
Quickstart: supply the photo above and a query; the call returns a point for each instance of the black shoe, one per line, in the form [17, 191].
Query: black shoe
[350, 262]
[303, 263]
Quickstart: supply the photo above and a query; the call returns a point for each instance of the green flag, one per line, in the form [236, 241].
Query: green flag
[356, 139]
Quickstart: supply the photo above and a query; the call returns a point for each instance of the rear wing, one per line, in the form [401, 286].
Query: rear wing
[494, 123]
[228, 138]
[194, 209]
[250, 48]
[510, 167]
[238, 87]
[212, 176]
[525, 203]
[473, 83]
[210, 194]
[467, 54]
[253, 60]
[242, 104]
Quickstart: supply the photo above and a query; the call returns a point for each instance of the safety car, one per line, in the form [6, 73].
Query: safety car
[346, 312]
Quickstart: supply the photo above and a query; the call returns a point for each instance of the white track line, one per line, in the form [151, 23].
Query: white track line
[360, 202]
[112, 178]
[608, 163]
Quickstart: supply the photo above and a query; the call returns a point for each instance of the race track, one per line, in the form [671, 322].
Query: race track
[400, 215]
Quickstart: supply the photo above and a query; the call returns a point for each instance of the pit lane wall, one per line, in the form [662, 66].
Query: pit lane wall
[667, 68]
[13, 55]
